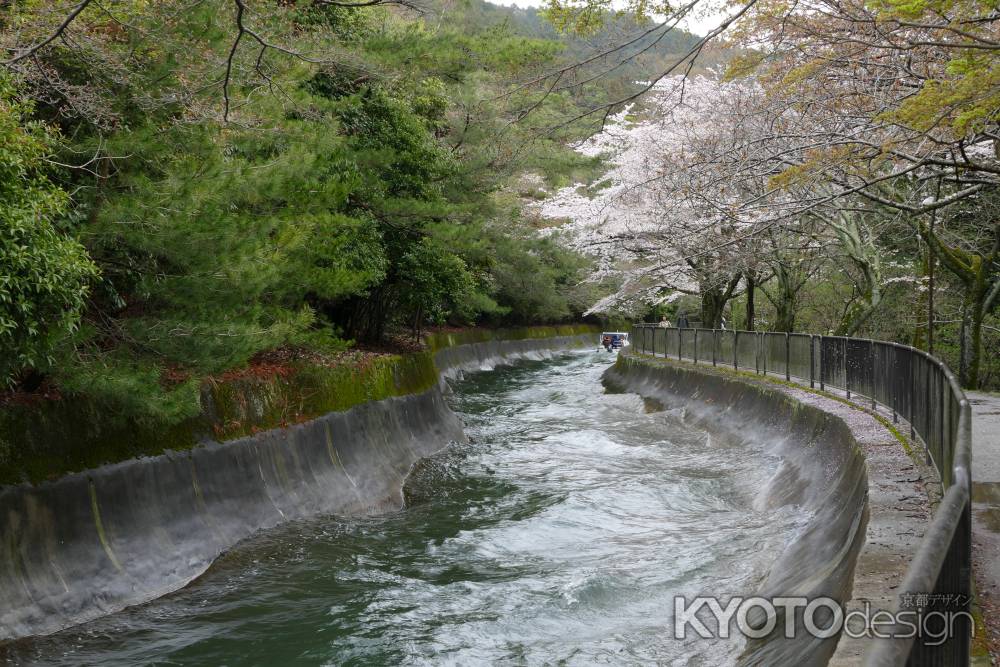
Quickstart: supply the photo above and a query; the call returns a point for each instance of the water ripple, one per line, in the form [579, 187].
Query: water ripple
[559, 535]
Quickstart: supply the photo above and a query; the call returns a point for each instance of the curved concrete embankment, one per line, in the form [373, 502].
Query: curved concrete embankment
[455, 359]
[94, 542]
[822, 471]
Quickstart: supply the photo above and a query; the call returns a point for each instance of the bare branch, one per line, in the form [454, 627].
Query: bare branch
[55, 34]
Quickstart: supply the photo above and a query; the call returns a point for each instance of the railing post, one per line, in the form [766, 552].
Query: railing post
[964, 547]
[847, 382]
[946, 463]
[756, 352]
[715, 343]
[895, 385]
[788, 357]
[927, 414]
[695, 346]
[736, 350]
[680, 340]
[913, 395]
[822, 375]
[871, 374]
[762, 352]
[812, 362]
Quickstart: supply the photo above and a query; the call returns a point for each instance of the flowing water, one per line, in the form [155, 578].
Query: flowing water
[559, 535]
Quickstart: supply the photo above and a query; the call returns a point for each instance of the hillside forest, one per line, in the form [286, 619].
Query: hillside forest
[838, 173]
[191, 187]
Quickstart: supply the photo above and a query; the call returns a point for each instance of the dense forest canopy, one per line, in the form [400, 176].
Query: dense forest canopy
[188, 186]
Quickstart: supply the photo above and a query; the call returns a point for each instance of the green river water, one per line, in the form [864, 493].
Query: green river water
[559, 534]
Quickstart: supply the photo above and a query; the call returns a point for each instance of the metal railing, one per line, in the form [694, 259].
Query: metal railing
[913, 385]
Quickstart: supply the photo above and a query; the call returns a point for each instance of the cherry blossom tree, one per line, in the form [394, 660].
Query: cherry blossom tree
[898, 108]
[681, 213]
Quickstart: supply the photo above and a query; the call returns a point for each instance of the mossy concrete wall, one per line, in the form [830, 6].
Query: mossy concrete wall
[472, 351]
[439, 340]
[95, 541]
[47, 440]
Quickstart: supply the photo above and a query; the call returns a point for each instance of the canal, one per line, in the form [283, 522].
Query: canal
[560, 534]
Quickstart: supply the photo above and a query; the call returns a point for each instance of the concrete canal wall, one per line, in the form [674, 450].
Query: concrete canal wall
[839, 466]
[95, 540]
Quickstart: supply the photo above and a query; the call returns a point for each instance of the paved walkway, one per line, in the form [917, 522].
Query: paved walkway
[986, 509]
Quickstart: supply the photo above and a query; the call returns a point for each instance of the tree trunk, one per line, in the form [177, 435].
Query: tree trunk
[930, 277]
[856, 316]
[977, 272]
[714, 300]
[751, 287]
[712, 303]
[785, 313]
[856, 240]
[785, 301]
[970, 350]
[417, 321]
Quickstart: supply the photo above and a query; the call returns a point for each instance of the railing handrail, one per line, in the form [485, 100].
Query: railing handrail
[948, 536]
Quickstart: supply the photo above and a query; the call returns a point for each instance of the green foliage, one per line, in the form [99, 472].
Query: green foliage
[397, 143]
[536, 283]
[339, 197]
[970, 97]
[44, 441]
[44, 272]
[436, 282]
[344, 24]
[216, 243]
[586, 17]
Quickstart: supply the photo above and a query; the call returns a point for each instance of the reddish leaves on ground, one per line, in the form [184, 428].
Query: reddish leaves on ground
[46, 391]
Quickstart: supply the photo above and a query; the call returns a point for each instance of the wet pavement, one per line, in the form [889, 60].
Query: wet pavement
[986, 509]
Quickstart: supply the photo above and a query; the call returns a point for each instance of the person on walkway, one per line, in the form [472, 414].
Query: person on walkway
[664, 323]
[682, 321]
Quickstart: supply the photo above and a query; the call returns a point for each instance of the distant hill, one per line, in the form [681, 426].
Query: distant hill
[646, 58]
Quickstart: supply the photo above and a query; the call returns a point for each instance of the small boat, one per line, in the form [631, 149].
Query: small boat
[614, 340]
